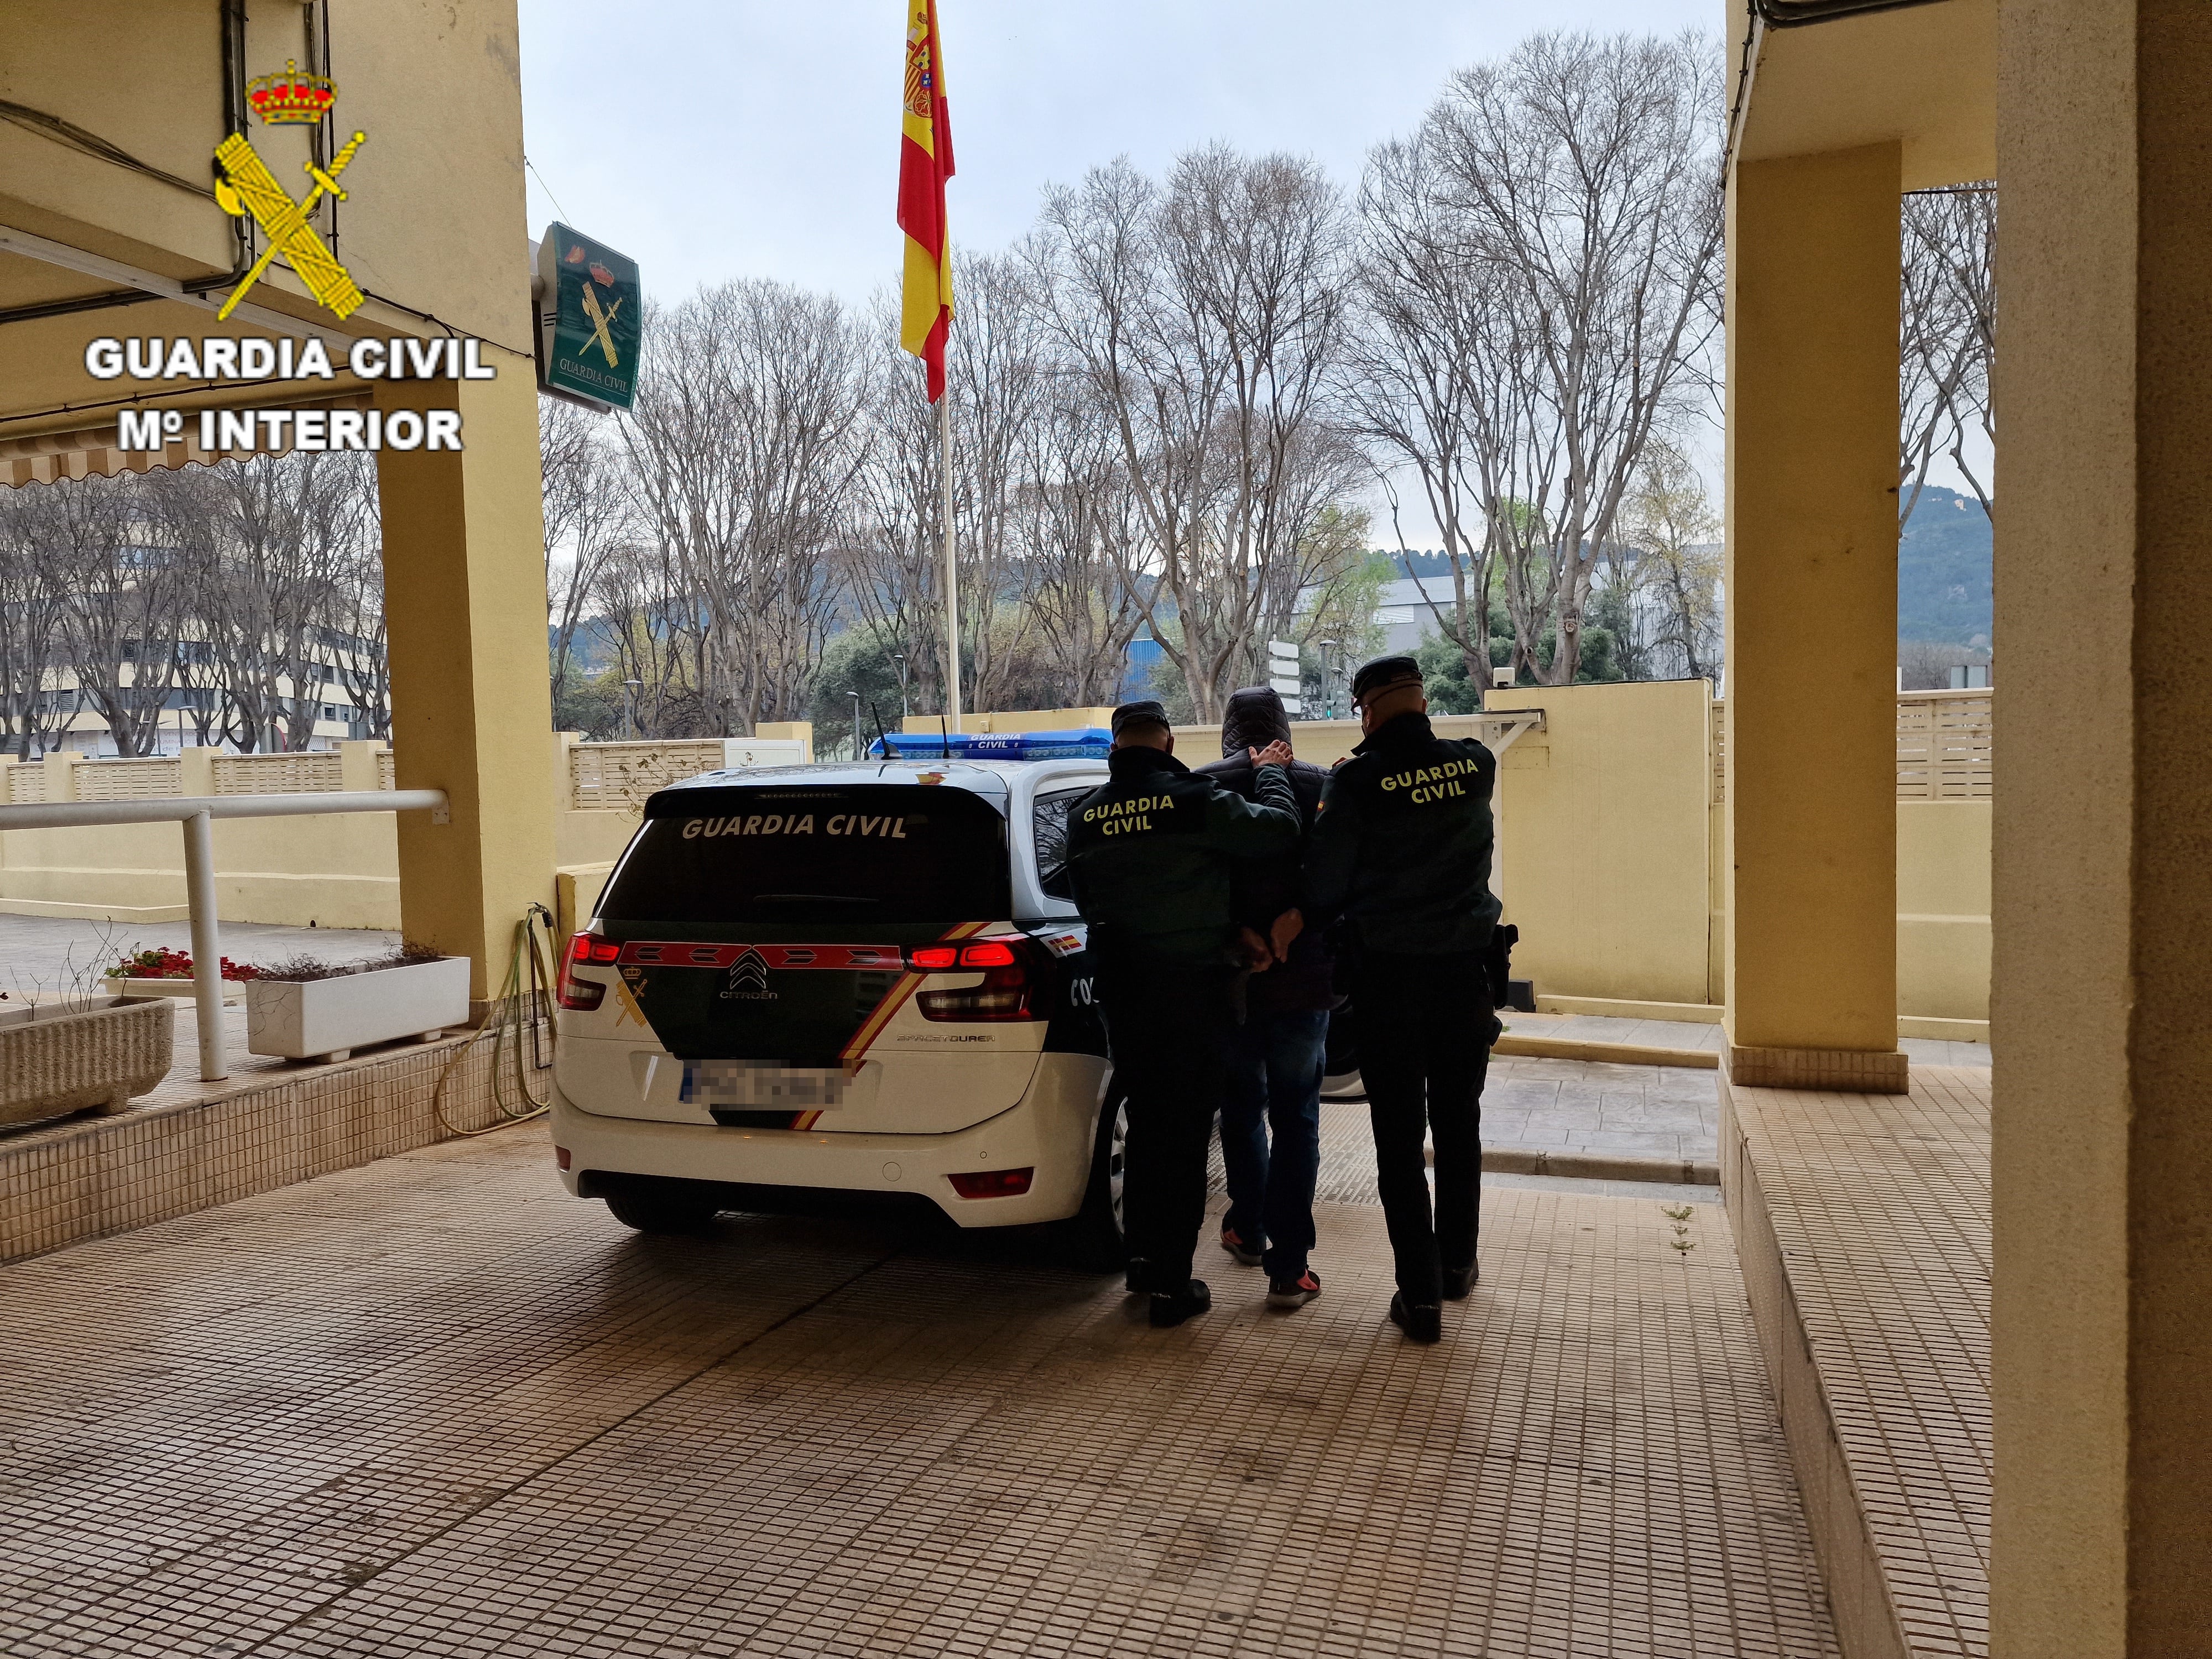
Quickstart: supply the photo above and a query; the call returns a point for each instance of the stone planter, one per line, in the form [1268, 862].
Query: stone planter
[56, 1062]
[328, 1018]
[233, 991]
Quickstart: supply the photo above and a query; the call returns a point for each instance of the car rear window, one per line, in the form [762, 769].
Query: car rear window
[859, 852]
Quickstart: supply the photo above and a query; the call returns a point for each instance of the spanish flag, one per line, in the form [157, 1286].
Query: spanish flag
[925, 163]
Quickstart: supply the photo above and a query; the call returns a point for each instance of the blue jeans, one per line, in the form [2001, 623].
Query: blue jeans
[1274, 1083]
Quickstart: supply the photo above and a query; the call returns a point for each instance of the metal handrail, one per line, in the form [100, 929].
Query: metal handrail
[197, 814]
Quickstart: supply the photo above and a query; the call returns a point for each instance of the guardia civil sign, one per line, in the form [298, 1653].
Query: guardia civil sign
[588, 319]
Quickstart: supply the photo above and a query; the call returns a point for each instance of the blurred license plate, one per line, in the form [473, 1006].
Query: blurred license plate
[752, 1086]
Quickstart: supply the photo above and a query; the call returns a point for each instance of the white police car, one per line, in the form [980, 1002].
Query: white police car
[867, 978]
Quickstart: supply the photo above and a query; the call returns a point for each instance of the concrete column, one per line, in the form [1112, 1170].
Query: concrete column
[1812, 621]
[465, 599]
[196, 770]
[2102, 902]
[357, 764]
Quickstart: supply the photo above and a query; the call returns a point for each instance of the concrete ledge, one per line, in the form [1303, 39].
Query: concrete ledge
[141, 913]
[1690, 1013]
[1619, 1054]
[1845, 1070]
[86, 1178]
[1599, 1166]
[1861, 1221]
[1943, 1030]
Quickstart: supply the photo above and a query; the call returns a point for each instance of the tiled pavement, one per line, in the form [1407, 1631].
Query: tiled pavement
[1868, 1234]
[435, 1407]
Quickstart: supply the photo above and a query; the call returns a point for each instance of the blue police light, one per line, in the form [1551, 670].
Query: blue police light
[1078, 743]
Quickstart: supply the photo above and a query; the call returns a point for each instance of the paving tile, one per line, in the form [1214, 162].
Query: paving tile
[1879, 1206]
[432, 1406]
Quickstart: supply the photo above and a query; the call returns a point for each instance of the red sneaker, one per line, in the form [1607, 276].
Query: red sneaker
[1294, 1292]
[1245, 1254]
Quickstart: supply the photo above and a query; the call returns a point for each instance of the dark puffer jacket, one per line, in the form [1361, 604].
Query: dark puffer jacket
[1153, 856]
[1263, 888]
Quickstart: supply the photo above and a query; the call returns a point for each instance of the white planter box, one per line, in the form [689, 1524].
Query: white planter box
[328, 1018]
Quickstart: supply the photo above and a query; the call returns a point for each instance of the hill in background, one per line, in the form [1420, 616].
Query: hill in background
[1943, 570]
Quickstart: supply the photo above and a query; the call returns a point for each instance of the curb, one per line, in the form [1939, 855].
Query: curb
[1599, 1166]
[1620, 1053]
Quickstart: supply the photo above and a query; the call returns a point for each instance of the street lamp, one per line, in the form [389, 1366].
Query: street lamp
[899, 658]
[1327, 702]
[856, 724]
[629, 710]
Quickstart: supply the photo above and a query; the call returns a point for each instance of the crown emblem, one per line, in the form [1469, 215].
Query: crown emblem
[292, 97]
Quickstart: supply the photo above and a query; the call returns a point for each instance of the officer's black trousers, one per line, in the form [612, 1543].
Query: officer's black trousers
[1423, 1026]
[1168, 1029]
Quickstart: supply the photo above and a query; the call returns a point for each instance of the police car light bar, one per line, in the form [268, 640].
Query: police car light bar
[1079, 743]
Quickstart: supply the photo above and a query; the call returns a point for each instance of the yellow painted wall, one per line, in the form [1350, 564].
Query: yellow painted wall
[1943, 908]
[1603, 834]
[1607, 864]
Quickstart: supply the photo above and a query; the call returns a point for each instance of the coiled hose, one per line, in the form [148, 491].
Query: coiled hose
[522, 1002]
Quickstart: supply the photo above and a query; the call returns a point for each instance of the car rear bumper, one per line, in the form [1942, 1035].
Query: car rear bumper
[1050, 1131]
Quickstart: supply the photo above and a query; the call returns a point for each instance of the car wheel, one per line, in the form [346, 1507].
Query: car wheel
[1097, 1230]
[662, 1207]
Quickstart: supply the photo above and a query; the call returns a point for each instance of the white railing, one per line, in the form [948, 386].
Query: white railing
[197, 814]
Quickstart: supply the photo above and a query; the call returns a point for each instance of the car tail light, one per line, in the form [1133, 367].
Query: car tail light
[993, 1184]
[1012, 986]
[1002, 951]
[561, 1157]
[583, 994]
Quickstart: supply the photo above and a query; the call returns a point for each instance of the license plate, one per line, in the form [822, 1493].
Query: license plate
[757, 1085]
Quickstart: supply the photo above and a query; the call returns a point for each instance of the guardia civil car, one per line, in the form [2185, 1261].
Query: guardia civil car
[857, 980]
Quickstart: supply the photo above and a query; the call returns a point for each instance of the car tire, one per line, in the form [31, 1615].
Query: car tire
[662, 1207]
[1095, 1233]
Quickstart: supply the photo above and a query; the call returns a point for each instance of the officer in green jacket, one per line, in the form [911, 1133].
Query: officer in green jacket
[1151, 854]
[1402, 848]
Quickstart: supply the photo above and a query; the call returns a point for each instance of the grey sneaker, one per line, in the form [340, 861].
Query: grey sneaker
[1294, 1292]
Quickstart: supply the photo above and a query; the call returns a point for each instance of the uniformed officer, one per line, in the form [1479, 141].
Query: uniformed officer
[1151, 854]
[1402, 848]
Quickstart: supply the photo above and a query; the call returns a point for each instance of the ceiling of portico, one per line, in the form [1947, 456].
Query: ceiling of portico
[1925, 76]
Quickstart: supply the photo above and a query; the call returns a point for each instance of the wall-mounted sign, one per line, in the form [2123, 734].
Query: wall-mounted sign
[588, 320]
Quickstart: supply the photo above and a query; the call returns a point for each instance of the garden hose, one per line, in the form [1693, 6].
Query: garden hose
[514, 1018]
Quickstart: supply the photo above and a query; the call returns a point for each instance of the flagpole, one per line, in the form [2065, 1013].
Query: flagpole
[951, 572]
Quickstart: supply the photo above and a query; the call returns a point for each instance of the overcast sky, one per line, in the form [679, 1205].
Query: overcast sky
[716, 138]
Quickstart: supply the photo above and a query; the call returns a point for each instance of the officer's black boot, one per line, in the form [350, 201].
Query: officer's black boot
[1421, 1321]
[1193, 1299]
[1458, 1281]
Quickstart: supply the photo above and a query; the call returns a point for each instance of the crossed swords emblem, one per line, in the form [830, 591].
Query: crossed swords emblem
[601, 322]
[250, 187]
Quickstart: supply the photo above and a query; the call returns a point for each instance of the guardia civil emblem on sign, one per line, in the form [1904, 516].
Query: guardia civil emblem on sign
[292, 99]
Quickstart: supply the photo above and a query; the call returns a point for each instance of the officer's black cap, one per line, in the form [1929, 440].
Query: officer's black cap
[1381, 674]
[1137, 715]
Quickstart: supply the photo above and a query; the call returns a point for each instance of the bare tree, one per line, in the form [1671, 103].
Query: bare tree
[1948, 334]
[1572, 182]
[35, 709]
[127, 598]
[1078, 527]
[1208, 312]
[1675, 573]
[586, 513]
[742, 447]
[284, 529]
